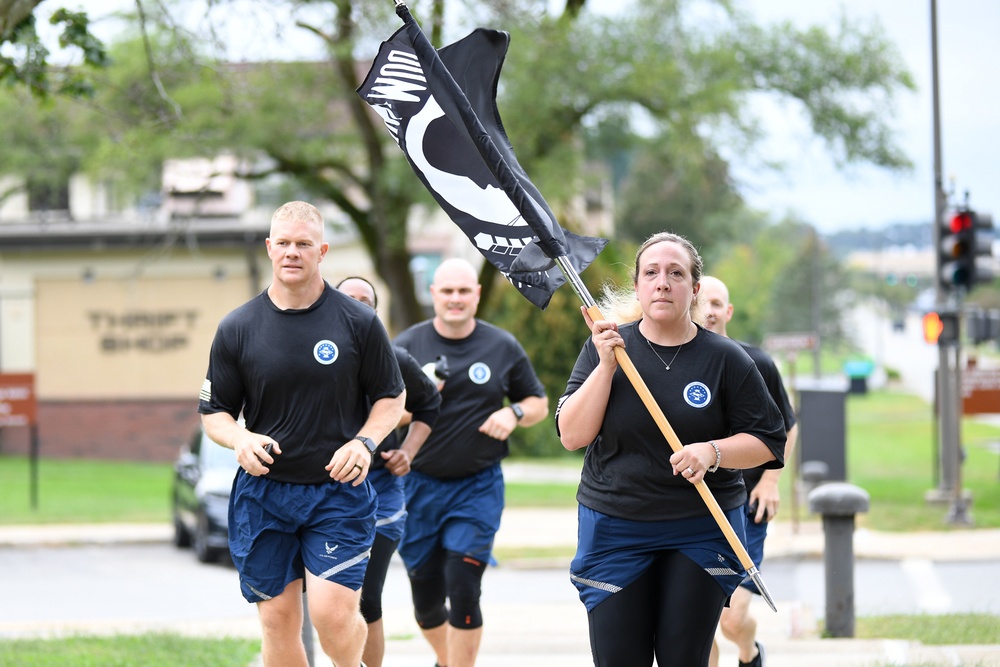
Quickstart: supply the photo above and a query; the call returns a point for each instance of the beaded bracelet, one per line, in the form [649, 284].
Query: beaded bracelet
[718, 456]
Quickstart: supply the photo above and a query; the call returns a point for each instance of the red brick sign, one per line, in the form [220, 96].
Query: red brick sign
[18, 406]
[980, 391]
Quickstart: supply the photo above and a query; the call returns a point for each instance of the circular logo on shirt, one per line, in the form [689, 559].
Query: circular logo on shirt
[697, 395]
[326, 352]
[479, 373]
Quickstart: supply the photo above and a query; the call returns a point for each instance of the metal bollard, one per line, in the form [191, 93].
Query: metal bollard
[838, 502]
[813, 474]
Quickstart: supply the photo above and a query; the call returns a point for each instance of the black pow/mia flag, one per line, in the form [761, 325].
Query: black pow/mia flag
[440, 107]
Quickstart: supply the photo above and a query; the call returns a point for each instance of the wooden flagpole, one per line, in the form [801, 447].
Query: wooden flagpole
[502, 171]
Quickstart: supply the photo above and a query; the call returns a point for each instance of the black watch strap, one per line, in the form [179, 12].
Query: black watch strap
[518, 411]
[367, 442]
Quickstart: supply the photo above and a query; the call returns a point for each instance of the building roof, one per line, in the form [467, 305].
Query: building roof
[106, 235]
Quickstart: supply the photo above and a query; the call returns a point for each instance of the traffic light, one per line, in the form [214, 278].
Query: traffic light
[965, 249]
[982, 325]
[982, 248]
[941, 327]
[953, 251]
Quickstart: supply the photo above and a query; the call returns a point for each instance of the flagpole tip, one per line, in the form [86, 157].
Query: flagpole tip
[754, 574]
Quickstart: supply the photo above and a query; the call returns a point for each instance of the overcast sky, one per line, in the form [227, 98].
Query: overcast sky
[811, 186]
[969, 79]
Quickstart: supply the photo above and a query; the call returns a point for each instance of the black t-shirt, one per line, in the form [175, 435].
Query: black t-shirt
[422, 399]
[303, 377]
[485, 367]
[776, 388]
[711, 391]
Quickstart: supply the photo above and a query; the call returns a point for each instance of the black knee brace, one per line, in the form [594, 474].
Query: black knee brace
[464, 578]
[428, 590]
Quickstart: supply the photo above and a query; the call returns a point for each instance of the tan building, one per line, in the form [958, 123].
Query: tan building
[113, 313]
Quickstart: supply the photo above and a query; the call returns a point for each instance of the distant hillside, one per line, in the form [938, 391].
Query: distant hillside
[916, 235]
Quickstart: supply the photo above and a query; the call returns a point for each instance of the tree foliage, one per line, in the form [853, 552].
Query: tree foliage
[24, 59]
[784, 280]
[554, 337]
[845, 81]
[684, 189]
[662, 92]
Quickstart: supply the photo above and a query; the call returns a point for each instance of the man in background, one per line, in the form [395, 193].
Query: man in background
[713, 312]
[391, 462]
[455, 492]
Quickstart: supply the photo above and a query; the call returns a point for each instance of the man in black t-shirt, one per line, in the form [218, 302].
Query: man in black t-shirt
[455, 491]
[315, 377]
[391, 463]
[713, 312]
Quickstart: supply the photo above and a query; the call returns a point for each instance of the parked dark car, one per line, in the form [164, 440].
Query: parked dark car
[203, 478]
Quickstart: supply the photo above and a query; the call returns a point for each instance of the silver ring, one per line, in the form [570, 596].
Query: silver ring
[690, 472]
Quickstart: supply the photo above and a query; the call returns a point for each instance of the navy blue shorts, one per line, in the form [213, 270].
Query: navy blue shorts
[278, 530]
[612, 553]
[391, 516]
[756, 532]
[460, 515]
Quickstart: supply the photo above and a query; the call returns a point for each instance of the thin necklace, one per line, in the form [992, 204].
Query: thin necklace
[665, 365]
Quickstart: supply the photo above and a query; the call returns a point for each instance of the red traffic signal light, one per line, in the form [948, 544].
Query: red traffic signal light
[961, 221]
[965, 245]
[940, 327]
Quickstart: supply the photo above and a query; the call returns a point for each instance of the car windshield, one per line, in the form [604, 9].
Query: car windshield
[214, 455]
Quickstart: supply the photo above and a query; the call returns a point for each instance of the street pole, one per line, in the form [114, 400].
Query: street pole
[949, 352]
[816, 312]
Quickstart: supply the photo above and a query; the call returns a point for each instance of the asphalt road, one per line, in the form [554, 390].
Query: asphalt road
[127, 587]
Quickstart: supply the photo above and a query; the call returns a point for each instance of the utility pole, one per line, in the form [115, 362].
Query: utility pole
[949, 376]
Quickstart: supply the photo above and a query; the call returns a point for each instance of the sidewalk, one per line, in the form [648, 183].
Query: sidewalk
[555, 634]
[555, 529]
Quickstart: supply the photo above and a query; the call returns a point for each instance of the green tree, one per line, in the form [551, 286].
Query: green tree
[24, 59]
[686, 190]
[807, 297]
[553, 338]
[689, 80]
[685, 87]
[784, 280]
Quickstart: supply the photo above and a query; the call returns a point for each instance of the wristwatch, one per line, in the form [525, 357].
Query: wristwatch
[367, 442]
[518, 412]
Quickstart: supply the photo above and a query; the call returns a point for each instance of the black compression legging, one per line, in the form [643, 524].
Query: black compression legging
[671, 611]
[378, 565]
[448, 579]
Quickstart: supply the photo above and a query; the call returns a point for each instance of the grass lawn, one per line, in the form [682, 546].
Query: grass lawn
[84, 491]
[942, 630]
[890, 454]
[157, 650]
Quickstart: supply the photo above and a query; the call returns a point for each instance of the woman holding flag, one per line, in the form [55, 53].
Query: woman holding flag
[652, 566]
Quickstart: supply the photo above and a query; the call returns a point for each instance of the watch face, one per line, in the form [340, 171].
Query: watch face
[518, 412]
[368, 442]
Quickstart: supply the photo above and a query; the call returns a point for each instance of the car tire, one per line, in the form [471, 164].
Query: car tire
[182, 537]
[204, 552]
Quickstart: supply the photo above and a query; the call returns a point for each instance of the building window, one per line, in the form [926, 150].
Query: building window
[48, 198]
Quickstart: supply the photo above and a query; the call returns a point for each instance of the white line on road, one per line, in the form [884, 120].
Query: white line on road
[932, 597]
